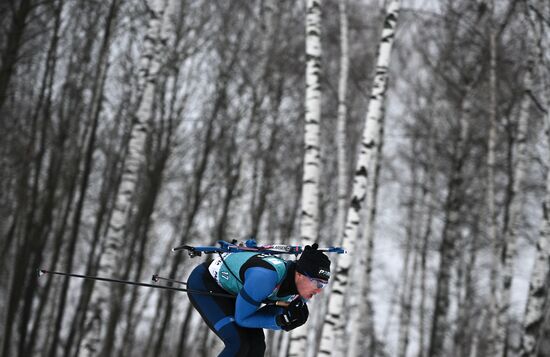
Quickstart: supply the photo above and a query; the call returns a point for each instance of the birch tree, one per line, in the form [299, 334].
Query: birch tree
[509, 245]
[369, 145]
[450, 236]
[491, 144]
[341, 120]
[538, 298]
[363, 277]
[342, 181]
[538, 285]
[115, 238]
[309, 224]
[310, 195]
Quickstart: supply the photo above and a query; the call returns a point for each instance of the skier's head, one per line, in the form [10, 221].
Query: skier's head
[313, 271]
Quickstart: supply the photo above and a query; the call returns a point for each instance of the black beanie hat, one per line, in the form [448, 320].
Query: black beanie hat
[314, 263]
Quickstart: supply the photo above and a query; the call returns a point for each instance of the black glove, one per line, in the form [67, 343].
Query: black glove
[294, 315]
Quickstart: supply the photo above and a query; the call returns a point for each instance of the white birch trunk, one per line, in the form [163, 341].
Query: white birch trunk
[309, 225]
[510, 236]
[363, 278]
[310, 190]
[341, 137]
[341, 124]
[369, 145]
[491, 211]
[539, 288]
[355, 306]
[274, 345]
[538, 285]
[114, 240]
[283, 347]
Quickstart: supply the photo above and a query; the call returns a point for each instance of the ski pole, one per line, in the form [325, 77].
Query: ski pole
[118, 281]
[156, 278]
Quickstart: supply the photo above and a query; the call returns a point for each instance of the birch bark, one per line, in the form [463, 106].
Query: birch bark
[491, 212]
[538, 285]
[341, 154]
[510, 235]
[309, 225]
[538, 299]
[114, 240]
[369, 145]
[341, 121]
[310, 193]
[321, 304]
[364, 277]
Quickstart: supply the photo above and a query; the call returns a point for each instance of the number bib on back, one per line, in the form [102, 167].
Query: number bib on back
[226, 272]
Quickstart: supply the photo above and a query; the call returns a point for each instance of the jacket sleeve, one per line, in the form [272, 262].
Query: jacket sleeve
[258, 285]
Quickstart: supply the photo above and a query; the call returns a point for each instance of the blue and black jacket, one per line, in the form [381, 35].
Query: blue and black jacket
[255, 279]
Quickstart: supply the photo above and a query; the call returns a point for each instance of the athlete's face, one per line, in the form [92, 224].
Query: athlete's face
[308, 287]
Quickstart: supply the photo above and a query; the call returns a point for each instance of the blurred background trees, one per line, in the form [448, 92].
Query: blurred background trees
[454, 231]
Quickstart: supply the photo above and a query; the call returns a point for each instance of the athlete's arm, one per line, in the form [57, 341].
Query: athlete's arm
[259, 283]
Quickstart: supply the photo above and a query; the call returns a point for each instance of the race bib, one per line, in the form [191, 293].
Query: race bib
[215, 266]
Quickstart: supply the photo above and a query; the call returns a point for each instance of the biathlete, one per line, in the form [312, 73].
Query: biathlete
[258, 281]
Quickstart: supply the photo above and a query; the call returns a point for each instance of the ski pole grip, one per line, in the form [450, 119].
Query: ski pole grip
[282, 304]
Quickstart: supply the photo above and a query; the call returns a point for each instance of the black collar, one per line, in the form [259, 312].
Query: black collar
[288, 285]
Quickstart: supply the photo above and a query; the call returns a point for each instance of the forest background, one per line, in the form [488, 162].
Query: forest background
[414, 133]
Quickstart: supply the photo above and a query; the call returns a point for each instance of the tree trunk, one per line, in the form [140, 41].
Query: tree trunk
[429, 203]
[341, 122]
[538, 300]
[491, 211]
[364, 278]
[309, 225]
[451, 236]
[510, 235]
[477, 334]
[117, 226]
[44, 300]
[111, 178]
[158, 161]
[195, 200]
[36, 237]
[310, 190]
[93, 119]
[371, 138]
[15, 36]
[407, 282]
